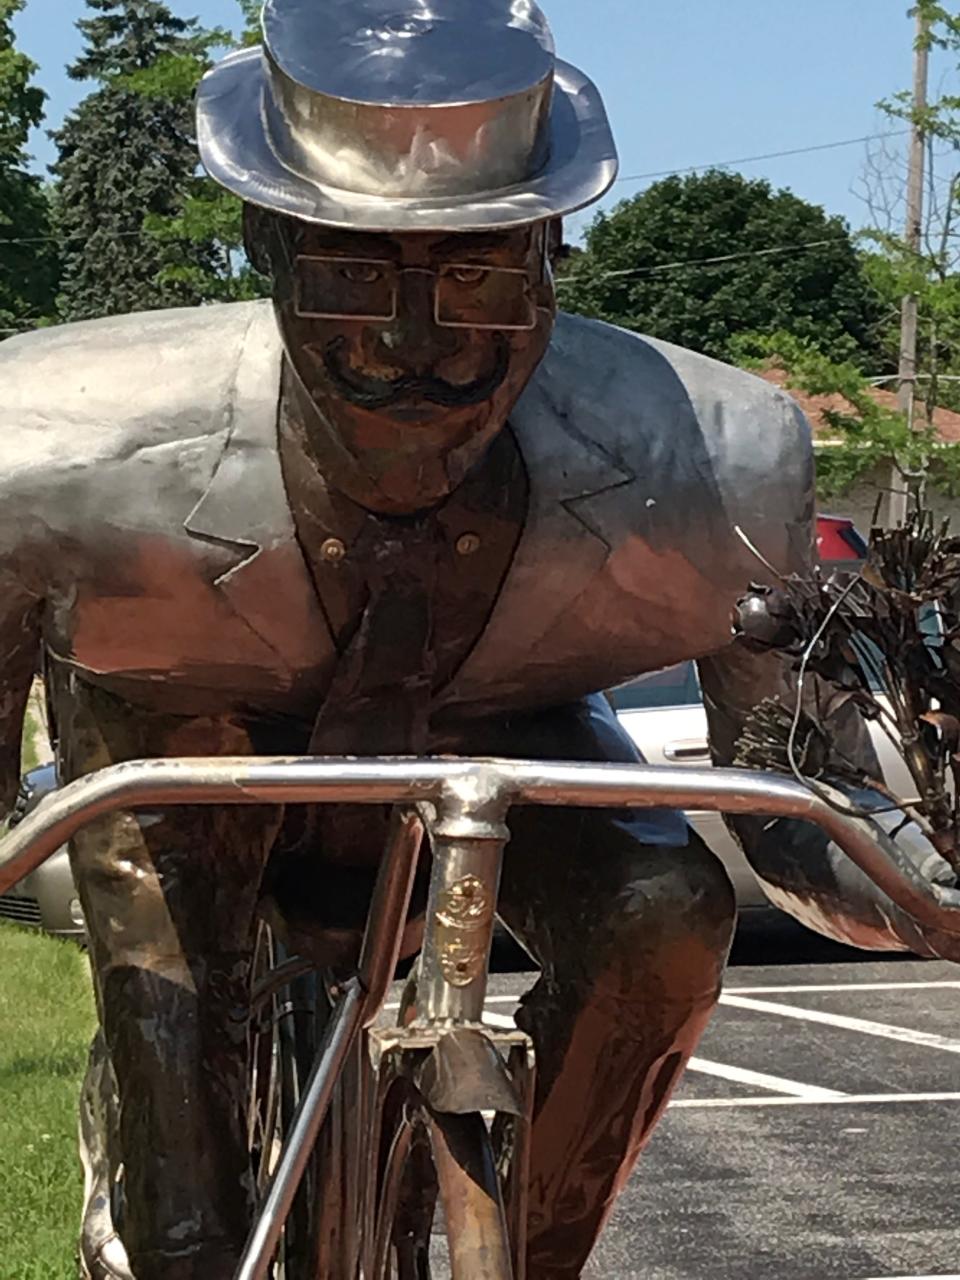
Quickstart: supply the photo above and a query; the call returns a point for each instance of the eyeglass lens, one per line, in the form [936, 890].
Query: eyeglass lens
[346, 288]
[468, 297]
[484, 298]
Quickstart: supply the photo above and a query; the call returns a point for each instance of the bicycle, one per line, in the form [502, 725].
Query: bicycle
[435, 1111]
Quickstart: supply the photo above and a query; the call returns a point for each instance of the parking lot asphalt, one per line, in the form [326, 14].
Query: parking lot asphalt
[816, 1135]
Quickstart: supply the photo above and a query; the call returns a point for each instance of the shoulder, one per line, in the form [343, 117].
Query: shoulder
[652, 388]
[97, 387]
[695, 449]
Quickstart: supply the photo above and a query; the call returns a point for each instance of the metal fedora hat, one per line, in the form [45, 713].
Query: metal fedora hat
[406, 115]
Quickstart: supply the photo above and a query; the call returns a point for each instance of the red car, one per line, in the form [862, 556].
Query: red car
[838, 541]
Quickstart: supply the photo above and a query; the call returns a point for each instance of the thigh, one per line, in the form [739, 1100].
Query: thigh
[580, 883]
[159, 884]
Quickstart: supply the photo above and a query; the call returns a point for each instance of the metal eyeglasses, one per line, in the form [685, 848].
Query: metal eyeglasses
[465, 295]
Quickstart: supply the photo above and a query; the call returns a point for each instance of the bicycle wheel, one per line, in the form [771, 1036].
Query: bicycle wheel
[437, 1165]
[263, 1109]
[286, 1021]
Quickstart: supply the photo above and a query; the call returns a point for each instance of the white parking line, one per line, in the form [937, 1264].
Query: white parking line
[499, 1020]
[863, 1025]
[791, 990]
[759, 1079]
[846, 1099]
[738, 1075]
[794, 1093]
[938, 1276]
[842, 986]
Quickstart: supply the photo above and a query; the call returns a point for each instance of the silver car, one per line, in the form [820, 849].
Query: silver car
[664, 714]
[47, 899]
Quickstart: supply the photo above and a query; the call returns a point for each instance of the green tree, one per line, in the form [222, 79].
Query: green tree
[28, 260]
[205, 216]
[867, 432]
[125, 157]
[893, 266]
[697, 260]
[864, 431]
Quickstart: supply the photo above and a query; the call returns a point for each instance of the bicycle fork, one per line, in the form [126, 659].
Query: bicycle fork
[456, 1065]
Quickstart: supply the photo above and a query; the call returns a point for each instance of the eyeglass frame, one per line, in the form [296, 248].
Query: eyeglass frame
[399, 271]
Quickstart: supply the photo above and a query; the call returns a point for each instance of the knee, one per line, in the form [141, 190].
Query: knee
[591, 895]
[645, 944]
[662, 914]
[118, 886]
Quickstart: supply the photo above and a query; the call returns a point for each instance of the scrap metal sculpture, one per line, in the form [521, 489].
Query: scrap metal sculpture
[406, 509]
[886, 639]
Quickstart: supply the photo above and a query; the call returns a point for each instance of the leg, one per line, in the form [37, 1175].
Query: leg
[169, 899]
[632, 938]
[102, 1255]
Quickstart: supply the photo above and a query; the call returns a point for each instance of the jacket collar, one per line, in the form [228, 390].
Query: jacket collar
[245, 507]
[563, 546]
[565, 543]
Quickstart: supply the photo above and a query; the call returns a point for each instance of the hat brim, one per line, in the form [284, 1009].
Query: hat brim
[236, 152]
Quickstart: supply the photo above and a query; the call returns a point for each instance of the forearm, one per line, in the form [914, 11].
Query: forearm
[801, 871]
[19, 661]
[806, 875]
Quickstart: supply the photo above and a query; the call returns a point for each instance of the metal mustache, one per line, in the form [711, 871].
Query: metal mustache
[376, 393]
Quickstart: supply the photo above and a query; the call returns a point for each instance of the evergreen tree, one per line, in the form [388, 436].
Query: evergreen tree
[125, 156]
[28, 261]
[206, 215]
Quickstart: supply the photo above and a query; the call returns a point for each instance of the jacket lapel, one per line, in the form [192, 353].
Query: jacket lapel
[561, 551]
[245, 506]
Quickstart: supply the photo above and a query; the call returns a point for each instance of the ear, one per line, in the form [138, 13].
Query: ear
[554, 239]
[257, 237]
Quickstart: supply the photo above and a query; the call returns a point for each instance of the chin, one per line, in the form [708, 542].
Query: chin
[434, 425]
[424, 415]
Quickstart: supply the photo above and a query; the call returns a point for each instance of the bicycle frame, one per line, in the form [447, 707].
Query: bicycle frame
[463, 806]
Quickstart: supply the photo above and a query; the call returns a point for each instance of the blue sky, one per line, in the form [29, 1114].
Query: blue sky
[687, 82]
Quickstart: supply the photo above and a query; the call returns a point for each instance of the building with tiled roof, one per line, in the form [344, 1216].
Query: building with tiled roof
[861, 502]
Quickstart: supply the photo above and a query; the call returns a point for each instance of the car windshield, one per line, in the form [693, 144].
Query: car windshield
[675, 686]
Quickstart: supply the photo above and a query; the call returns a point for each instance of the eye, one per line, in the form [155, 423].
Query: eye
[468, 275]
[361, 273]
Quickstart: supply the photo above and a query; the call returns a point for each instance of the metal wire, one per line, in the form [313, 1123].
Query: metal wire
[822, 793]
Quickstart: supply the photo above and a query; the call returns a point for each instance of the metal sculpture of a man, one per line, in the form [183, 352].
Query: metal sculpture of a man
[406, 509]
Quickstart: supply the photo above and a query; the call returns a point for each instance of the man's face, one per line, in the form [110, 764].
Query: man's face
[413, 348]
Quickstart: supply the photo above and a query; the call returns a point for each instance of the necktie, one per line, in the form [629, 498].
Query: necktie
[379, 699]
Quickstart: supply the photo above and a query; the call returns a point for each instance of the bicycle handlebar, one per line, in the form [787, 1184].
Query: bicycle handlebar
[470, 787]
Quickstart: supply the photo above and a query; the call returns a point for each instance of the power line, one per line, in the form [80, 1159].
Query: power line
[769, 155]
[633, 177]
[117, 235]
[771, 251]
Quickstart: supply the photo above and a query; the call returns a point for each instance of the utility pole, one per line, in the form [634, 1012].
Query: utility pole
[896, 513]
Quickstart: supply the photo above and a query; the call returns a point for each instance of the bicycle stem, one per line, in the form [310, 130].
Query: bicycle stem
[468, 834]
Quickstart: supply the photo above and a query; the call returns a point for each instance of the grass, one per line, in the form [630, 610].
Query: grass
[35, 748]
[46, 1022]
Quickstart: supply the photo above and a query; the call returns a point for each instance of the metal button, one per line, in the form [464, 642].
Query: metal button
[333, 550]
[468, 543]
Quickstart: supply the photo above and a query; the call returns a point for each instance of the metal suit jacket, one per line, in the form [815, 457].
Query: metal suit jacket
[145, 533]
[146, 541]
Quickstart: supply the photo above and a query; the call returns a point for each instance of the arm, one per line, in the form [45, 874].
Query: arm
[800, 870]
[19, 660]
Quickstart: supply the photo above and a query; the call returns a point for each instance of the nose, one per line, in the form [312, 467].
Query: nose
[414, 338]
